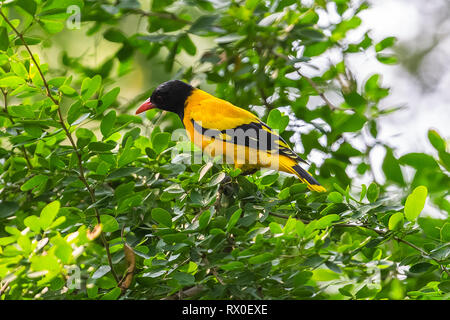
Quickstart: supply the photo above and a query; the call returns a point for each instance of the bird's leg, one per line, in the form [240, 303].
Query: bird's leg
[249, 172]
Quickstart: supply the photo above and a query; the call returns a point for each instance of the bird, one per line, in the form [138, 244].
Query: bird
[222, 129]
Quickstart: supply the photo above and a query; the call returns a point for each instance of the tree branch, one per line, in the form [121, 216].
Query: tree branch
[380, 232]
[69, 136]
[317, 89]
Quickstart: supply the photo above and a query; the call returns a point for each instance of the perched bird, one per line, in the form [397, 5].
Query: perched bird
[221, 129]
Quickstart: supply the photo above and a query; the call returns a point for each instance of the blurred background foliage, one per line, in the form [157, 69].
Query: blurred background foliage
[97, 203]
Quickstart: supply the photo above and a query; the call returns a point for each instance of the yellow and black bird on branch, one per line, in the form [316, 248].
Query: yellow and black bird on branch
[221, 129]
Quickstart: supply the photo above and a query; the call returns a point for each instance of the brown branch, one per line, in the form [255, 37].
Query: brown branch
[317, 89]
[265, 98]
[214, 272]
[311, 82]
[81, 174]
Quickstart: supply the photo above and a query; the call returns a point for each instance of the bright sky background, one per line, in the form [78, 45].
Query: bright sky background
[426, 107]
[426, 98]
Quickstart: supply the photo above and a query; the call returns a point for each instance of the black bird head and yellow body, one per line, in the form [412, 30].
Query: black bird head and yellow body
[221, 129]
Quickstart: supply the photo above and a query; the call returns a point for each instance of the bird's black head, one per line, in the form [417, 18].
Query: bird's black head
[170, 96]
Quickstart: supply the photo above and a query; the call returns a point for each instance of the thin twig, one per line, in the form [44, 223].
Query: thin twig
[264, 98]
[312, 83]
[214, 272]
[318, 90]
[72, 142]
[4, 287]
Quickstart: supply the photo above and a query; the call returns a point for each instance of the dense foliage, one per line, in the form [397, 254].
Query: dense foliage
[97, 203]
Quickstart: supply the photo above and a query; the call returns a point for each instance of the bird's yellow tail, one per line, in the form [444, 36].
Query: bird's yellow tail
[303, 175]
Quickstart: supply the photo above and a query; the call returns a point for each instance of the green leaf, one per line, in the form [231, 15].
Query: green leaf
[436, 140]
[420, 267]
[445, 232]
[216, 179]
[203, 25]
[418, 160]
[275, 228]
[34, 182]
[415, 203]
[373, 192]
[267, 180]
[385, 43]
[326, 221]
[27, 5]
[51, 26]
[233, 265]
[108, 123]
[109, 223]
[363, 192]
[33, 223]
[4, 39]
[90, 86]
[396, 221]
[75, 111]
[48, 262]
[277, 121]
[324, 275]
[11, 82]
[204, 219]
[8, 208]
[387, 58]
[355, 100]
[444, 286]
[184, 279]
[391, 168]
[114, 294]
[22, 111]
[107, 99]
[162, 217]
[128, 156]
[67, 90]
[48, 214]
[316, 49]
[63, 250]
[114, 35]
[160, 141]
[234, 219]
[101, 146]
[261, 258]
[187, 44]
[335, 197]
[19, 69]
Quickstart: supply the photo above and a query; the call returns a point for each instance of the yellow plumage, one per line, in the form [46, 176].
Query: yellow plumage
[208, 120]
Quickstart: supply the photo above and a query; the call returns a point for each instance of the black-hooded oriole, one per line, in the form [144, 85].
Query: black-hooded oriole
[222, 129]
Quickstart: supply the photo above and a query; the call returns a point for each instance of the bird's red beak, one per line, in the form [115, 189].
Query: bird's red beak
[147, 105]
